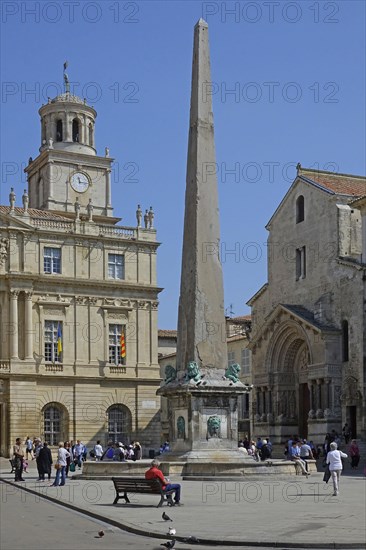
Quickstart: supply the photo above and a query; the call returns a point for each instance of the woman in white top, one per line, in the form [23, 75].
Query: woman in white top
[62, 455]
[335, 465]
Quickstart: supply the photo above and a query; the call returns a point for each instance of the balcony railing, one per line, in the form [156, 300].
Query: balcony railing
[117, 370]
[54, 367]
[65, 227]
[4, 366]
[117, 231]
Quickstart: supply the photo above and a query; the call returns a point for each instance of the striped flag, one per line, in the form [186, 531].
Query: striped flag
[59, 340]
[123, 344]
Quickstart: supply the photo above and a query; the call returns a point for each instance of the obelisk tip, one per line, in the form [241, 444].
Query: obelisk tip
[201, 23]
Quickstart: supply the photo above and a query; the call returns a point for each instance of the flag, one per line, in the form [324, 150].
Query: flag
[123, 344]
[59, 340]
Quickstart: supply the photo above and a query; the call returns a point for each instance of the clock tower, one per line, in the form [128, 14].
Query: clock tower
[68, 168]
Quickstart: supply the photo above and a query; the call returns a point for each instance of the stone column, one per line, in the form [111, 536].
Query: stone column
[52, 127]
[50, 181]
[108, 188]
[258, 402]
[270, 404]
[328, 404]
[67, 128]
[28, 325]
[14, 353]
[82, 129]
[319, 394]
[264, 401]
[311, 395]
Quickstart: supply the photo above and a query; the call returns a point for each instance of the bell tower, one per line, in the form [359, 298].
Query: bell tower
[68, 168]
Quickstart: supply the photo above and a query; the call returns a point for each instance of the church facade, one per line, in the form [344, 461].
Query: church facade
[309, 320]
[78, 297]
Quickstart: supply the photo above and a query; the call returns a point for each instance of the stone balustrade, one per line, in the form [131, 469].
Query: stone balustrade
[54, 367]
[117, 231]
[62, 226]
[4, 366]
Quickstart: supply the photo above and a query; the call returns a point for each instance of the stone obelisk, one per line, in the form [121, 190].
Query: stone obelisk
[201, 317]
[202, 390]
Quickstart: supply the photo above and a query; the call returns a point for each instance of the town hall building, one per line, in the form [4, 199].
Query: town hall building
[78, 297]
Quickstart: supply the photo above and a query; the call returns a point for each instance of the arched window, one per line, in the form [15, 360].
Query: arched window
[59, 134]
[300, 209]
[52, 424]
[119, 423]
[345, 341]
[75, 130]
[90, 134]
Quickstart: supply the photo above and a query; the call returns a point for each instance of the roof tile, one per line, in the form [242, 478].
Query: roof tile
[340, 184]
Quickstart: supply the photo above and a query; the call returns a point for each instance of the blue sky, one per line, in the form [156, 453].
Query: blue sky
[298, 71]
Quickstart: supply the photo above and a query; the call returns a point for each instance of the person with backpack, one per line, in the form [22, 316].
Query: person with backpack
[265, 451]
[109, 452]
[334, 459]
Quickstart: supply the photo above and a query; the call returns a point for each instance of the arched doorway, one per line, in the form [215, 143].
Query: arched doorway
[287, 362]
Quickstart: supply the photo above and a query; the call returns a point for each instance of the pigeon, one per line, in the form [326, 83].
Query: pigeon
[169, 544]
[172, 531]
[166, 518]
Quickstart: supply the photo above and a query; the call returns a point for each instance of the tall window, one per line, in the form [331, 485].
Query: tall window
[231, 358]
[345, 341]
[52, 424]
[52, 260]
[59, 132]
[119, 423]
[91, 134]
[245, 360]
[116, 266]
[300, 263]
[75, 130]
[300, 209]
[116, 341]
[52, 335]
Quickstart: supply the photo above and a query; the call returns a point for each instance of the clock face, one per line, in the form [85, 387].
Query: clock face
[79, 182]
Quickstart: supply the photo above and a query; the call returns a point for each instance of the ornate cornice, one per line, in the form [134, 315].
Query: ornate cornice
[55, 280]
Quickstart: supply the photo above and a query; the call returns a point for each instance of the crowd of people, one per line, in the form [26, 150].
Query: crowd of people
[70, 455]
[258, 450]
[300, 450]
[117, 451]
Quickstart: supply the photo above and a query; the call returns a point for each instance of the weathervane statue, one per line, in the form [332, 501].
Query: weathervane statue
[66, 79]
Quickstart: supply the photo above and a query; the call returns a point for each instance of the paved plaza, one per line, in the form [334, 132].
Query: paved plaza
[273, 512]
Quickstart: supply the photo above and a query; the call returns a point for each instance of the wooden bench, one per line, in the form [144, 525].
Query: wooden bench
[124, 485]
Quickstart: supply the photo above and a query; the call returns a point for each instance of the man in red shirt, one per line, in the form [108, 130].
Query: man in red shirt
[154, 473]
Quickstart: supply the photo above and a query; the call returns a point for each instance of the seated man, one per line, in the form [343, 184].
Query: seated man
[154, 473]
[294, 452]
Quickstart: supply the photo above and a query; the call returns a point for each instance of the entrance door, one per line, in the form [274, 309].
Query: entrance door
[352, 420]
[304, 407]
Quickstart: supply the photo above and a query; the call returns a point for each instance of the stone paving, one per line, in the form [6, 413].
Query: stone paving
[281, 511]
